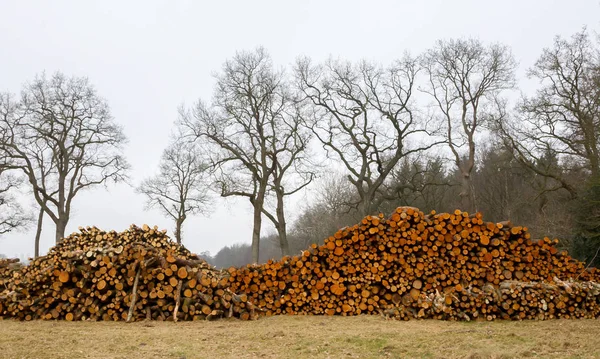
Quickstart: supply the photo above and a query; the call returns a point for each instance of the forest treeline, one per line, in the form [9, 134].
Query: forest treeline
[449, 128]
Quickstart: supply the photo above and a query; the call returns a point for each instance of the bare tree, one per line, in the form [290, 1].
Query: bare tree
[252, 135]
[563, 117]
[364, 116]
[12, 215]
[465, 80]
[292, 169]
[180, 188]
[61, 136]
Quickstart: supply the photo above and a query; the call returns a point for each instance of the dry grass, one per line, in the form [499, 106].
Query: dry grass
[307, 337]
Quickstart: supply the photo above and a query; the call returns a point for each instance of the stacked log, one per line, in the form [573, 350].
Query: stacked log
[136, 274]
[412, 265]
[7, 267]
[451, 266]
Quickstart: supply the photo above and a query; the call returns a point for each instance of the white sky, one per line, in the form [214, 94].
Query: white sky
[148, 57]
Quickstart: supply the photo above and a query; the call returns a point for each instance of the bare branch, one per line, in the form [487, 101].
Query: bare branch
[364, 116]
[465, 80]
[557, 130]
[181, 186]
[252, 134]
[61, 136]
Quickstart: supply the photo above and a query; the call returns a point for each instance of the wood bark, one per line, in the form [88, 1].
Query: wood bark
[38, 232]
[61, 226]
[258, 205]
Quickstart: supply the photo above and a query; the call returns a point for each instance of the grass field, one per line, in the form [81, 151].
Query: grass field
[302, 337]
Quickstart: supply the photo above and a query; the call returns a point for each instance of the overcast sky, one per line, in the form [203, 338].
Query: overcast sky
[148, 57]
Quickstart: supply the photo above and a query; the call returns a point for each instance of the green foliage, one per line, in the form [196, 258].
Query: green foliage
[586, 243]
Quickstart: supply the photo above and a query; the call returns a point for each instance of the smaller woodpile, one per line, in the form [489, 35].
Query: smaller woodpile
[7, 267]
[136, 274]
[451, 266]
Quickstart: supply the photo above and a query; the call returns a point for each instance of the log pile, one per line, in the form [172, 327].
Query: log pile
[451, 266]
[446, 266]
[136, 274]
[7, 267]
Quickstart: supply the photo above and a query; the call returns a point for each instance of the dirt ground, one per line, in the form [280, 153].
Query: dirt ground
[301, 337]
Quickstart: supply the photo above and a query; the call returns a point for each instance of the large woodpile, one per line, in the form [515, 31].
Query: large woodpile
[138, 273]
[410, 265]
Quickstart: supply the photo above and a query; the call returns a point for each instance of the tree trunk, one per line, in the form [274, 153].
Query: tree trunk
[594, 166]
[465, 192]
[61, 225]
[282, 226]
[178, 226]
[258, 204]
[365, 206]
[256, 232]
[38, 232]
[283, 241]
